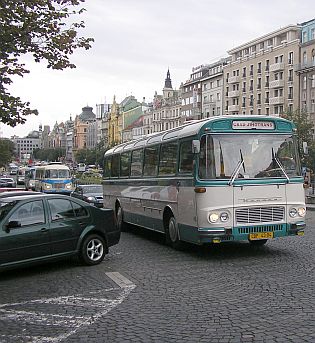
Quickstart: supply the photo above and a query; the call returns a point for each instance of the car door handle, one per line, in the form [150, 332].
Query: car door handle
[44, 229]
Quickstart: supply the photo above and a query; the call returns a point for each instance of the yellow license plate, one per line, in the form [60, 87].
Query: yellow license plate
[261, 235]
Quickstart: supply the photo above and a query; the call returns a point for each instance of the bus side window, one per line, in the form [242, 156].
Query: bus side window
[107, 166]
[136, 163]
[186, 157]
[168, 159]
[115, 166]
[125, 164]
[151, 158]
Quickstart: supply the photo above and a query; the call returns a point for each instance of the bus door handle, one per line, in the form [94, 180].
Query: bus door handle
[177, 185]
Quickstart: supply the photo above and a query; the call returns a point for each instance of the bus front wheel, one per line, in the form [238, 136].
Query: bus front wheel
[172, 234]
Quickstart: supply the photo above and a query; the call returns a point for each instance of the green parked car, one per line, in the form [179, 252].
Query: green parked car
[42, 227]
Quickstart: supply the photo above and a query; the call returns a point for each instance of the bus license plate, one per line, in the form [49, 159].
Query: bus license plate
[261, 235]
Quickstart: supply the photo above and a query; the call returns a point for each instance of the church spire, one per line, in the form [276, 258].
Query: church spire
[168, 81]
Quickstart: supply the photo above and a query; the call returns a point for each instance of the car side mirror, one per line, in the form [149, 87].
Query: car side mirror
[12, 224]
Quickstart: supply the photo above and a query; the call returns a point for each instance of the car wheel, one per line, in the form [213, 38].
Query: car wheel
[258, 242]
[93, 250]
[172, 234]
[122, 226]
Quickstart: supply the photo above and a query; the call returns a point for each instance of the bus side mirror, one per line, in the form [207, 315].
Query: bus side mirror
[195, 146]
[305, 148]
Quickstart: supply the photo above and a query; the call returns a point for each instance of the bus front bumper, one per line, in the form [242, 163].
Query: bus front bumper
[218, 235]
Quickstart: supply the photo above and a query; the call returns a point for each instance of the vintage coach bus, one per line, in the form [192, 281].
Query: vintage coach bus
[227, 178]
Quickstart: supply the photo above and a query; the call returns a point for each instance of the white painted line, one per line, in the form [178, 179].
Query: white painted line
[102, 305]
[121, 281]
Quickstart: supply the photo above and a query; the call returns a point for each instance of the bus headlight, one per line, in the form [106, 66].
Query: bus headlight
[224, 217]
[213, 217]
[293, 212]
[301, 211]
[68, 185]
[47, 186]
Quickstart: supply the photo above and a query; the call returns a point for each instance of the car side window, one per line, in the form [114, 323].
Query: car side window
[60, 209]
[29, 214]
[79, 210]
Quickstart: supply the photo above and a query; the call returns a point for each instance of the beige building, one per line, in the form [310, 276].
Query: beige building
[166, 112]
[306, 69]
[260, 79]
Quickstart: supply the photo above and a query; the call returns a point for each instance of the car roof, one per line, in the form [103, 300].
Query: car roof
[16, 193]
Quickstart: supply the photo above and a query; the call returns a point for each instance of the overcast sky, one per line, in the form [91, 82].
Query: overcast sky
[137, 41]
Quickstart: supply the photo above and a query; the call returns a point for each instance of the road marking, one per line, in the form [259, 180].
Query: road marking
[121, 281]
[67, 323]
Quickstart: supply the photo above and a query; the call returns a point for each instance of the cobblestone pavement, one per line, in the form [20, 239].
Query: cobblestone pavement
[223, 293]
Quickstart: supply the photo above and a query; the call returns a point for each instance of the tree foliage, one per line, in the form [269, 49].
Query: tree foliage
[43, 29]
[55, 154]
[6, 151]
[304, 128]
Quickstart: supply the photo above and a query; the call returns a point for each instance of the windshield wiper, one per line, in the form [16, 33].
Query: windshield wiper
[275, 158]
[236, 170]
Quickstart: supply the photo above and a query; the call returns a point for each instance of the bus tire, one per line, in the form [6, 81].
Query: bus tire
[258, 242]
[93, 250]
[122, 226]
[172, 234]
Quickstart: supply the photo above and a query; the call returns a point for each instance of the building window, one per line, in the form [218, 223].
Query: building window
[313, 33]
[304, 58]
[290, 57]
[304, 37]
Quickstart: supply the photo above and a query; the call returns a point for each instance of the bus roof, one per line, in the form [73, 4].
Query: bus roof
[213, 124]
[53, 166]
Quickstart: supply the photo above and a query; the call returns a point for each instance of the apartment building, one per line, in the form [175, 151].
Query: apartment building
[212, 89]
[260, 78]
[306, 69]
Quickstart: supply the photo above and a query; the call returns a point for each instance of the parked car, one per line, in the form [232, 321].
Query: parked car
[43, 227]
[89, 193]
[7, 182]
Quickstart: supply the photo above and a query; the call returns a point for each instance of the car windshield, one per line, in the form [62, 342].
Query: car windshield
[260, 156]
[57, 174]
[93, 189]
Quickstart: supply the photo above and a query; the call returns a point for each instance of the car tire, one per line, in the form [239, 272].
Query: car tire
[172, 234]
[93, 250]
[258, 242]
[122, 226]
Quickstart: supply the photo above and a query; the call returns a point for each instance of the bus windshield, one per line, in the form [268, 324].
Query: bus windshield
[57, 174]
[260, 156]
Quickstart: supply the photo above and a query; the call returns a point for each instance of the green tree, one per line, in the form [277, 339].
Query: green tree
[55, 154]
[304, 128]
[6, 151]
[42, 29]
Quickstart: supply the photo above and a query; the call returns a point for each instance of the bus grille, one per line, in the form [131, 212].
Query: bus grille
[58, 185]
[259, 215]
[254, 229]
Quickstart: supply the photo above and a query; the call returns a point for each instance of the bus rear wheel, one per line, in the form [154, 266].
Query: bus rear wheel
[172, 234]
[122, 226]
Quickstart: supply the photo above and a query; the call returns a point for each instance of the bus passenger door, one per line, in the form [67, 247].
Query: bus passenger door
[186, 205]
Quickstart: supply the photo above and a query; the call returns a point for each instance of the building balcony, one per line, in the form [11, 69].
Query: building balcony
[233, 79]
[276, 84]
[234, 94]
[276, 100]
[276, 67]
[304, 67]
[233, 108]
